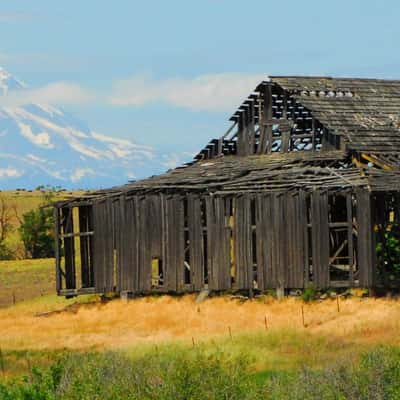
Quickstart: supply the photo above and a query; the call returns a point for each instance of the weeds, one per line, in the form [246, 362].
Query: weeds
[109, 375]
[196, 375]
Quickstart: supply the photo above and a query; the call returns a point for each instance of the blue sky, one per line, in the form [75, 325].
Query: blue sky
[150, 70]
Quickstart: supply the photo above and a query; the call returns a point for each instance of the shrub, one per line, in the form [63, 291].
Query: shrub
[309, 293]
[388, 251]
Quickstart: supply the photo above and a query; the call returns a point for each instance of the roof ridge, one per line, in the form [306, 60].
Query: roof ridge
[272, 77]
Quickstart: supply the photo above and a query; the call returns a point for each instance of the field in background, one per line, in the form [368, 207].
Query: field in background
[23, 201]
[23, 280]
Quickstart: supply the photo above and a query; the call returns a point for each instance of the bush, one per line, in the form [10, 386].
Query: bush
[5, 252]
[310, 293]
[388, 252]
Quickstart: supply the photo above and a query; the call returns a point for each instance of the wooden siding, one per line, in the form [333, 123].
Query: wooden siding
[246, 242]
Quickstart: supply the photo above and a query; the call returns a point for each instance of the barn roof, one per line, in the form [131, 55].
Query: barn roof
[366, 112]
[330, 170]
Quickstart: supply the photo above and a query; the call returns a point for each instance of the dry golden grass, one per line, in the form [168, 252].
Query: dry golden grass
[137, 326]
[117, 324]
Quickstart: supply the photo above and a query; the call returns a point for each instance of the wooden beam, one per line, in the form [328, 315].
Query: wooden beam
[57, 249]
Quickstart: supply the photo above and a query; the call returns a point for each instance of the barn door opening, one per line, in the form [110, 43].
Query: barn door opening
[341, 239]
[74, 249]
[157, 272]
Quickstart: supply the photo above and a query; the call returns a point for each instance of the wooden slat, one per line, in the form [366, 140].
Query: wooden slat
[98, 241]
[174, 243]
[144, 244]
[196, 244]
[320, 238]
[134, 254]
[261, 242]
[84, 245]
[109, 246]
[243, 241]
[269, 242]
[364, 241]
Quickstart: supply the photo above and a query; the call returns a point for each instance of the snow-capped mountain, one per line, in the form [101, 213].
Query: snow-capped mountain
[42, 144]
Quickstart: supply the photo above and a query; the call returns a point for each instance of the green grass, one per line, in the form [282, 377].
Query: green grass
[195, 374]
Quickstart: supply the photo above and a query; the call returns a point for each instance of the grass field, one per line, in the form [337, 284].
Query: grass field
[41, 327]
[26, 279]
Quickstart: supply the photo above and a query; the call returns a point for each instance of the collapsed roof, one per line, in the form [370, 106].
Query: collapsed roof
[351, 127]
[366, 112]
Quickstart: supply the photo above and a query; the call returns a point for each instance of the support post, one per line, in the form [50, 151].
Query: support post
[57, 249]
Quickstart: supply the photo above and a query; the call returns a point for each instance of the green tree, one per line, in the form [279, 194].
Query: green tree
[37, 229]
[388, 252]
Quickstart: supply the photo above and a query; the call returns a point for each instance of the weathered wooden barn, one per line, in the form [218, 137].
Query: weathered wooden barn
[296, 193]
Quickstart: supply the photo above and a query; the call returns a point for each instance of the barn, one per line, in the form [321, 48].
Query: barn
[298, 192]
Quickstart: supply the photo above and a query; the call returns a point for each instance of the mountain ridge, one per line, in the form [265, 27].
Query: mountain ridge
[43, 144]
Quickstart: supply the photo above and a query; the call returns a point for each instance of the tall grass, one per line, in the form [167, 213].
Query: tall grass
[196, 375]
[162, 319]
[168, 375]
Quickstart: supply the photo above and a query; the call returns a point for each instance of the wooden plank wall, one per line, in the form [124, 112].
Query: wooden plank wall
[129, 232]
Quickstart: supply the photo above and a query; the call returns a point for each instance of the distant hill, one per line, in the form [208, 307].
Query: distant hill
[42, 144]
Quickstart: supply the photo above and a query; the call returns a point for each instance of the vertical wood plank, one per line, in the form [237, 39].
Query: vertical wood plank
[320, 238]
[84, 245]
[261, 242]
[364, 241]
[196, 245]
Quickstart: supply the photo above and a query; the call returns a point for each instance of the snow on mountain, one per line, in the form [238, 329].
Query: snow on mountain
[8, 82]
[42, 144]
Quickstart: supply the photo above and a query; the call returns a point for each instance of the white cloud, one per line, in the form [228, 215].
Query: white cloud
[213, 92]
[79, 173]
[36, 158]
[10, 173]
[41, 139]
[53, 93]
